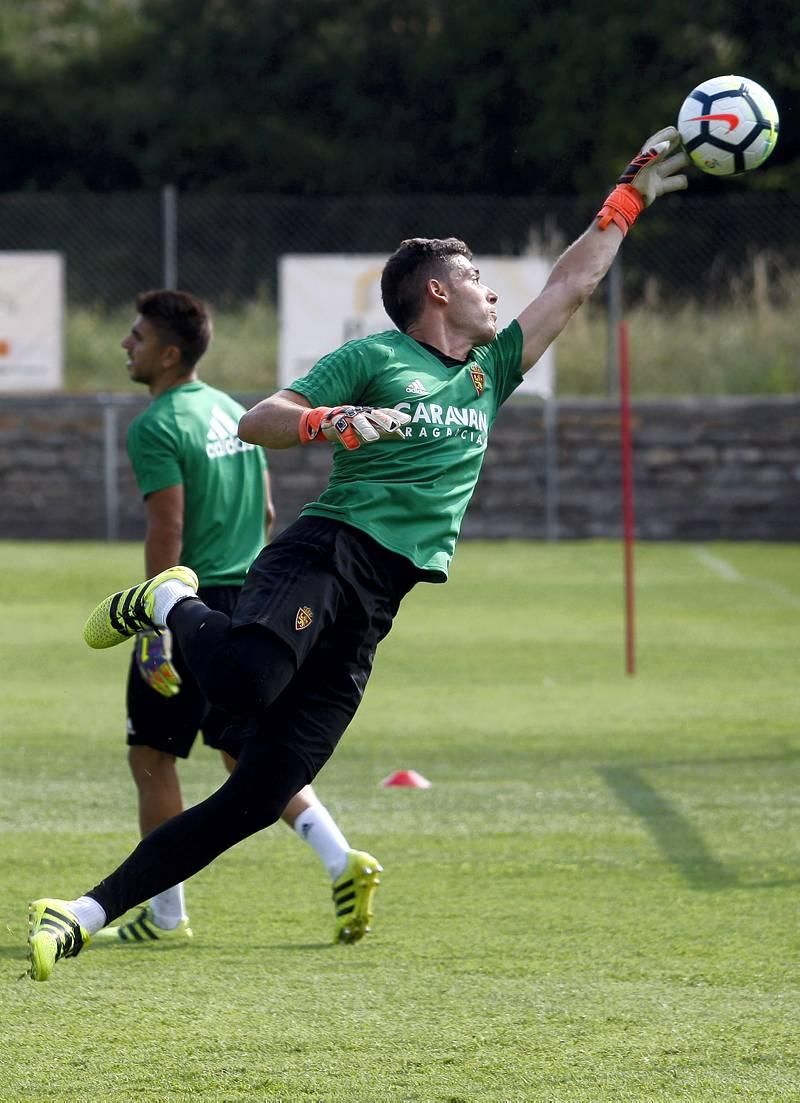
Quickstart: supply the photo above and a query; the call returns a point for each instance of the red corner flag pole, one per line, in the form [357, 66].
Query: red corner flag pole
[627, 494]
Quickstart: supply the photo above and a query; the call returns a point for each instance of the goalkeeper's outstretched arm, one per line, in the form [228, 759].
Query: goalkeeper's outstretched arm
[574, 277]
[652, 172]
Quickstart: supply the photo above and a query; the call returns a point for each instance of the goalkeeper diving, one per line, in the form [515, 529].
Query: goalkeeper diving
[408, 413]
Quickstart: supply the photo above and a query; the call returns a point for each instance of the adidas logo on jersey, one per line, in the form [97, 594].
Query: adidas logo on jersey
[416, 387]
[223, 436]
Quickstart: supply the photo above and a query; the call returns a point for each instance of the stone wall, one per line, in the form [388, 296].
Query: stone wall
[704, 469]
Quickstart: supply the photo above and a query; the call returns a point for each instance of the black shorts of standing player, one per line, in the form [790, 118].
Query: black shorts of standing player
[171, 724]
[293, 661]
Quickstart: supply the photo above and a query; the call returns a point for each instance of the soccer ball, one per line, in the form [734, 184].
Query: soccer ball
[728, 125]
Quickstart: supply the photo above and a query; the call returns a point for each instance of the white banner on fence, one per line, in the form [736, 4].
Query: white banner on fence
[31, 321]
[327, 299]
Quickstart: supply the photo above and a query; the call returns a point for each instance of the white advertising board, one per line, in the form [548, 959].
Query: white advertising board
[31, 321]
[327, 299]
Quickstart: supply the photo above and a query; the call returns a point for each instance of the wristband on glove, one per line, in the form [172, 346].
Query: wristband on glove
[622, 207]
[352, 426]
[311, 423]
[326, 423]
[627, 201]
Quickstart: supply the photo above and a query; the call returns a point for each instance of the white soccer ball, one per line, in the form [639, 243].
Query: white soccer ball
[728, 125]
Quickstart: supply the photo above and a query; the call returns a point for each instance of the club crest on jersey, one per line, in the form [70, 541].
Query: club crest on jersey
[478, 378]
[303, 619]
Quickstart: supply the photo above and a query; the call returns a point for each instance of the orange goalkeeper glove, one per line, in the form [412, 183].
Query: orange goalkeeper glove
[352, 426]
[650, 174]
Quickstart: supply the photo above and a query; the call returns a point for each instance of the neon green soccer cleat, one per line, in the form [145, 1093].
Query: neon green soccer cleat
[124, 614]
[352, 896]
[53, 933]
[142, 931]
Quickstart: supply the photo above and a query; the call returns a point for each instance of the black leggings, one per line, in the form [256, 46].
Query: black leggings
[290, 674]
[253, 797]
[241, 672]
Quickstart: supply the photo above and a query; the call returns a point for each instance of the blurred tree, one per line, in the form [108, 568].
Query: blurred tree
[427, 96]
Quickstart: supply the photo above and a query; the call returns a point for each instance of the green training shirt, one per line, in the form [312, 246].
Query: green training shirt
[411, 497]
[188, 437]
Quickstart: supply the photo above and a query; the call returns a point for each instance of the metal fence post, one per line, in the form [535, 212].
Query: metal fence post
[111, 468]
[550, 422]
[169, 230]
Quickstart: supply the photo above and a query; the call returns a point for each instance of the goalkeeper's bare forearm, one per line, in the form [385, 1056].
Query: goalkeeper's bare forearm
[275, 421]
[283, 420]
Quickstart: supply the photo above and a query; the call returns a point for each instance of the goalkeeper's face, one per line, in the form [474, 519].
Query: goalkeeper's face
[472, 306]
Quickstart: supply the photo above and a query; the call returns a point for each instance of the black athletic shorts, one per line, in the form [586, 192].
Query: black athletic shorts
[330, 592]
[171, 724]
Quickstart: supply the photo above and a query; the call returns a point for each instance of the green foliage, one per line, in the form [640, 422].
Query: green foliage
[746, 345]
[94, 360]
[594, 903]
[426, 97]
[50, 36]
[723, 351]
[242, 357]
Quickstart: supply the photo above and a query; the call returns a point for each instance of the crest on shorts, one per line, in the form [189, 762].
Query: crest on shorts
[303, 619]
[478, 378]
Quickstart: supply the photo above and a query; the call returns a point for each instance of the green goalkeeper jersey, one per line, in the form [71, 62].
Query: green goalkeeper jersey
[411, 496]
[188, 437]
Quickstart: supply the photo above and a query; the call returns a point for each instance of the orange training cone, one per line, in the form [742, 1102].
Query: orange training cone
[410, 779]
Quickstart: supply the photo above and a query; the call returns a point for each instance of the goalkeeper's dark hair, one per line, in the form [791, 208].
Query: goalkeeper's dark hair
[408, 269]
[182, 320]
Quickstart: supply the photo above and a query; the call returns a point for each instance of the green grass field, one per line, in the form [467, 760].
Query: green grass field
[596, 901]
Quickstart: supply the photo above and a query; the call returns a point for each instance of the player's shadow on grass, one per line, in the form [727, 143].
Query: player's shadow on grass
[673, 834]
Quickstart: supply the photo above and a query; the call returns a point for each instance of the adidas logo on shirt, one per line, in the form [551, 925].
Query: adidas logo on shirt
[223, 436]
[416, 388]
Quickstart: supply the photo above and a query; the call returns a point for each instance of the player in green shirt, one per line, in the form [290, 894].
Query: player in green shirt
[408, 414]
[207, 503]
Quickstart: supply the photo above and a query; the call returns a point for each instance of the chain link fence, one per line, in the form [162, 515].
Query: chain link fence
[226, 247]
[703, 280]
[729, 250]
